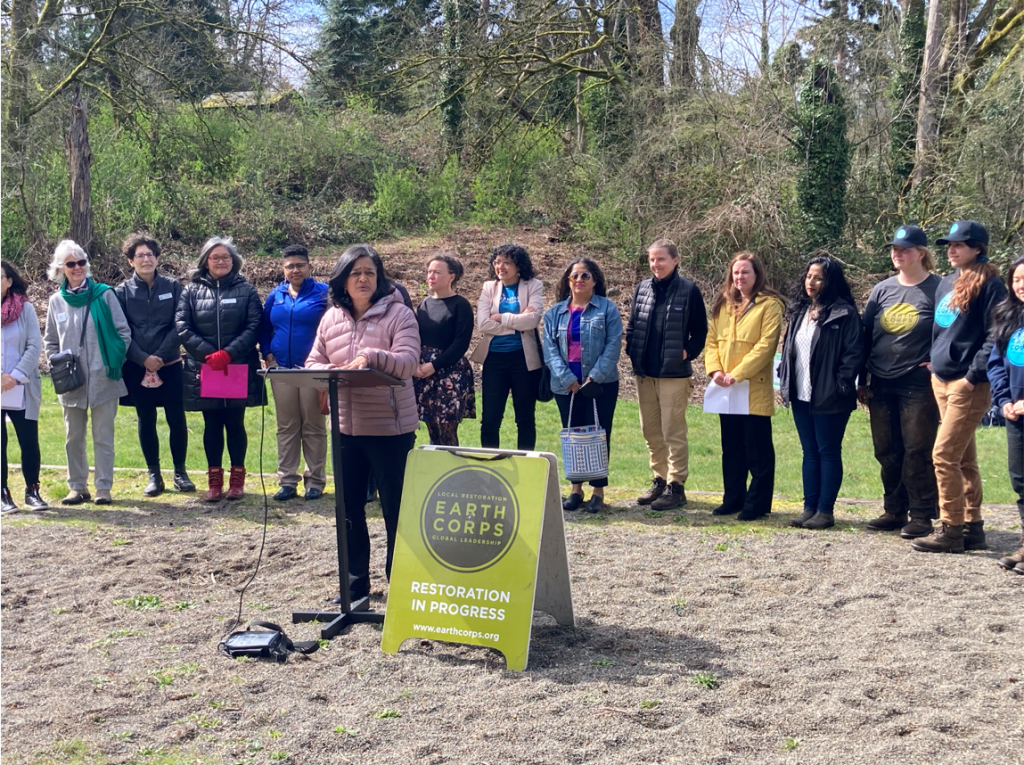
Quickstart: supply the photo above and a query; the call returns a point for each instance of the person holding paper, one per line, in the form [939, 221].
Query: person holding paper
[85, 319]
[821, 357]
[582, 345]
[896, 386]
[667, 327]
[152, 371]
[291, 315]
[746, 321]
[22, 386]
[508, 313]
[370, 327]
[218, 321]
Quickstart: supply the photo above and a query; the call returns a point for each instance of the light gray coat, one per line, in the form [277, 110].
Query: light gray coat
[63, 332]
[30, 345]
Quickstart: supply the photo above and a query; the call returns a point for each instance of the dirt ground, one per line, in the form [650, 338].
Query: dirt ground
[696, 642]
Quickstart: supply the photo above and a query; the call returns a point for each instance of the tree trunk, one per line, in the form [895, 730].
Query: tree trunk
[652, 43]
[929, 103]
[685, 34]
[80, 172]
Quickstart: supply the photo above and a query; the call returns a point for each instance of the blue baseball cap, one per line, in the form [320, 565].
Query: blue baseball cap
[965, 231]
[909, 236]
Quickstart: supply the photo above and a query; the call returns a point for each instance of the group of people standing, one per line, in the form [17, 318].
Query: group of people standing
[927, 357]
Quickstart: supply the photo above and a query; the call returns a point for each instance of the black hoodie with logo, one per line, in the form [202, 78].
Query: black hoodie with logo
[960, 344]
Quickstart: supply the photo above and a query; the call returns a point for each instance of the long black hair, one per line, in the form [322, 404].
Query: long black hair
[562, 288]
[518, 255]
[834, 289]
[1008, 315]
[18, 285]
[336, 282]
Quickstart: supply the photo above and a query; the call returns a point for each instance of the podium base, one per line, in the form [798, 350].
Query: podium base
[337, 621]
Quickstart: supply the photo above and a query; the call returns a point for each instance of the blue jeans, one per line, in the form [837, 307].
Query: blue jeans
[821, 436]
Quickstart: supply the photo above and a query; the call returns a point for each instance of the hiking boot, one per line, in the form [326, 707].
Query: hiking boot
[313, 493]
[76, 497]
[948, 539]
[32, 498]
[215, 480]
[889, 522]
[671, 497]
[805, 516]
[726, 510]
[236, 484]
[656, 490]
[103, 497]
[8, 505]
[181, 480]
[821, 521]
[155, 487]
[974, 536]
[919, 526]
[1010, 562]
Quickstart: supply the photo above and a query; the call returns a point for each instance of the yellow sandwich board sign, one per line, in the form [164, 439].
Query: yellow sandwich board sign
[480, 544]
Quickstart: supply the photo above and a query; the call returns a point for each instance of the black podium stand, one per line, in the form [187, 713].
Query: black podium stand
[332, 380]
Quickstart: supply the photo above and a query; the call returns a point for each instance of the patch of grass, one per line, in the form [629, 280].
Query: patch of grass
[387, 714]
[323, 644]
[120, 542]
[603, 662]
[139, 602]
[790, 744]
[679, 605]
[123, 735]
[168, 675]
[215, 704]
[278, 756]
[259, 606]
[343, 730]
[705, 680]
[275, 734]
[59, 611]
[69, 752]
[721, 547]
[652, 704]
[183, 605]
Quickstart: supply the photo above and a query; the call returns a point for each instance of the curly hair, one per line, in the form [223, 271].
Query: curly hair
[730, 296]
[453, 263]
[340, 273]
[1008, 315]
[834, 289]
[520, 259]
[972, 278]
[562, 288]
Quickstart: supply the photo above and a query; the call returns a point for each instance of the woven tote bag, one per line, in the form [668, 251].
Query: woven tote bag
[584, 450]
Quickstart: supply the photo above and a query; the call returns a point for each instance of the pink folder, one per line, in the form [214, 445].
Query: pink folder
[232, 382]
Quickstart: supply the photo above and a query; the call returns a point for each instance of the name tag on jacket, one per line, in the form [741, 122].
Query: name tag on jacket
[225, 301]
[166, 296]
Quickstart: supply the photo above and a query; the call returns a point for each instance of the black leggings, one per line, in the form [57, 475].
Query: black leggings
[175, 415]
[28, 438]
[219, 421]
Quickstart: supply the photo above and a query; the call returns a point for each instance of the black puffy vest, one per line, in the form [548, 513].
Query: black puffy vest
[685, 328]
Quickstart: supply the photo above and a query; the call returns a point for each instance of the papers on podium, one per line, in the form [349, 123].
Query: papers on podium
[732, 400]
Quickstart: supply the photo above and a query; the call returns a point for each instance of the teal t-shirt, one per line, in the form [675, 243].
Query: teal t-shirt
[509, 303]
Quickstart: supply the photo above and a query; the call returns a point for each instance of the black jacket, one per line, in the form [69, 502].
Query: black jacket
[151, 313]
[960, 344]
[837, 354]
[685, 328]
[220, 315]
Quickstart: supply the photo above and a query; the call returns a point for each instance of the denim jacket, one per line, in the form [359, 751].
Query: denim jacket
[600, 343]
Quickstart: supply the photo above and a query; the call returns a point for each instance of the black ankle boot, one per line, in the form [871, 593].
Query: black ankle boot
[155, 487]
[8, 505]
[181, 479]
[32, 498]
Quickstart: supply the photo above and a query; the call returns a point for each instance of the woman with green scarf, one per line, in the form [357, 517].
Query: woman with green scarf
[85, 318]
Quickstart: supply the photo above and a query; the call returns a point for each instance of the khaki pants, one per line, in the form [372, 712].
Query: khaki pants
[76, 423]
[301, 431]
[955, 454]
[663, 403]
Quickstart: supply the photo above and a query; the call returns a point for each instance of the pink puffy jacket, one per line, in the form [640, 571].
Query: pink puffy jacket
[389, 337]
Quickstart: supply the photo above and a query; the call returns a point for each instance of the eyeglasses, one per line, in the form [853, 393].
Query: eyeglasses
[582, 276]
[295, 266]
[76, 264]
[144, 256]
[222, 259]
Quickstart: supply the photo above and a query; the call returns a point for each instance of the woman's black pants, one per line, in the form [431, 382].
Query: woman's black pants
[27, 432]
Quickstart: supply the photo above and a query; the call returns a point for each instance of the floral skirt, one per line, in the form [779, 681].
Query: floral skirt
[447, 397]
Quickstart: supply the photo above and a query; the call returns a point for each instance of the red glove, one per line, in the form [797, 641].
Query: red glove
[219, 360]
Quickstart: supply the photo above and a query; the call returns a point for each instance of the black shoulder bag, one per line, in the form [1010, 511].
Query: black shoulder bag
[544, 392]
[258, 644]
[66, 368]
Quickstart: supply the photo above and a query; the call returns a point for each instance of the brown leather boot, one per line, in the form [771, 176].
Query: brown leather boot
[1010, 562]
[948, 539]
[888, 522]
[974, 536]
[919, 526]
[236, 485]
[656, 490]
[215, 480]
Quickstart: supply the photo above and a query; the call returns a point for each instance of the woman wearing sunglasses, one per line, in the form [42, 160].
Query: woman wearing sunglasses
[583, 340]
[85, 318]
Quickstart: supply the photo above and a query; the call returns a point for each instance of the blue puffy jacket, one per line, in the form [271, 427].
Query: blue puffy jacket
[1006, 371]
[289, 324]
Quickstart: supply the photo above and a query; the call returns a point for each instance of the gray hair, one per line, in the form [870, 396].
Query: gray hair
[202, 267]
[60, 255]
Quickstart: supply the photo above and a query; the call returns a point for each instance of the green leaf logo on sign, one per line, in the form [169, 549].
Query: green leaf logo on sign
[469, 519]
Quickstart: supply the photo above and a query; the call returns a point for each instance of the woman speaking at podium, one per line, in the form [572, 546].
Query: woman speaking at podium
[370, 327]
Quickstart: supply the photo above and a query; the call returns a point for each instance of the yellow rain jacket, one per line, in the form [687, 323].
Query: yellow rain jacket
[745, 347]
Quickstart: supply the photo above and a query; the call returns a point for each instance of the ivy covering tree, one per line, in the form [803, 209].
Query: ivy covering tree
[823, 154]
[903, 93]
